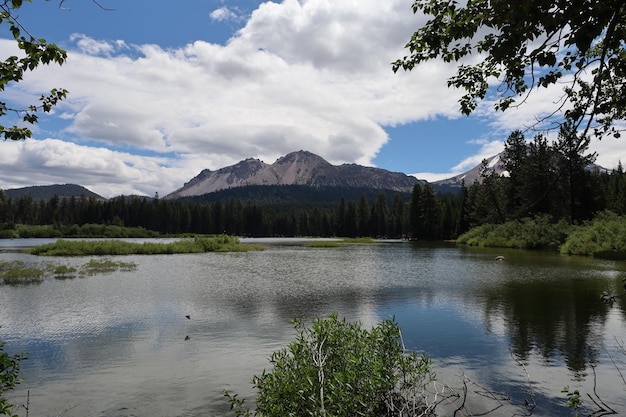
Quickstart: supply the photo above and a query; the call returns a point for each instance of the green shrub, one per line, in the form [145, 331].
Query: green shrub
[336, 368]
[8, 234]
[538, 232]
[9, 378]
[604, 236]
[44, 231]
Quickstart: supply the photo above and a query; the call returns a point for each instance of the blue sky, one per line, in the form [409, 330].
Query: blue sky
[161, 90]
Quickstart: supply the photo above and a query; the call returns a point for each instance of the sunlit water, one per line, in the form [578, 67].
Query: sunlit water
[119, 344]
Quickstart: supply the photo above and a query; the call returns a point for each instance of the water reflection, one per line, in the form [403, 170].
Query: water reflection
[556, 318]
[115, 344]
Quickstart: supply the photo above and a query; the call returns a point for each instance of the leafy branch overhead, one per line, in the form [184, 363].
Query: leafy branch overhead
[35, 51]
[527, 45]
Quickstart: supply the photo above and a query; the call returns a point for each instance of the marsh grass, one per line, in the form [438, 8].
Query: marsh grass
[106, 265]
[64, 272]
[221, 243]
[323, 244]
[18, 272]
[339, 243]
[358, 240]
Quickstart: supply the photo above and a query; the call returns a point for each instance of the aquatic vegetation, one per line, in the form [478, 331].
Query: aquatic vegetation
[108, 247]
[106, 265]
[18, 272]
[338, 243]
[323, 244]
[358, 240]
[64, 272]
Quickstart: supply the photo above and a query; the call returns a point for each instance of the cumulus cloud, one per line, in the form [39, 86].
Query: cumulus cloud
[53, 161]
[224, 14]
[311, 75]
[89, 46]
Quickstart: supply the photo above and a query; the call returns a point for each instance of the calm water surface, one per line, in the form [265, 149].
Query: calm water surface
[119, 344]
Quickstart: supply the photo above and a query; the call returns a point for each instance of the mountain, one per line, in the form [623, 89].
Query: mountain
[297, 168]
[45, 192]
[453, 184]
[494, 164]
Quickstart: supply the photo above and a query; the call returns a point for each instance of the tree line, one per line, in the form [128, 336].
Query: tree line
[379, 216]
[556, 180]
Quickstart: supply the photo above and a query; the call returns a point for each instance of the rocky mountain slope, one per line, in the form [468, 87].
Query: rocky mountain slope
[296, 168]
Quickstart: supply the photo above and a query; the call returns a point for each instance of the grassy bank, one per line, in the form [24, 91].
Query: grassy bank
[117, 247]
[602, 237]
[524, 234]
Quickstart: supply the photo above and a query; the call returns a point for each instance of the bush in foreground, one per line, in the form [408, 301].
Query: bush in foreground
[9, 378]
[336, 368]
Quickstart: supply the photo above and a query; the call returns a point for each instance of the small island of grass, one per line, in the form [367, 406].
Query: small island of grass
[20, 272]
[221, 243]
[338, 243]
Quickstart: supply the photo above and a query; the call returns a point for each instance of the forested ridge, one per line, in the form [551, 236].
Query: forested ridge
[551, 181]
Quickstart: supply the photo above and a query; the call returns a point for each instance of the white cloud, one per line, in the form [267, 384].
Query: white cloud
[89, 46]
[224, 14]
[611, 151]
[311, 75]
[487, 150]
[52, 161]
[435, 176]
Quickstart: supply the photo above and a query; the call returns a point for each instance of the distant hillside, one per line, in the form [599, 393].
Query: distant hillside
[46, 192]
[294, 196]
[297, 168]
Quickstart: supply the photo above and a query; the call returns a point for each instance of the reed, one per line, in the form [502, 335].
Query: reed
[17, 272]
[222, 243]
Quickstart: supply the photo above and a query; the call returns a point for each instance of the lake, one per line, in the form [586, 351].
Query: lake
[510, 331]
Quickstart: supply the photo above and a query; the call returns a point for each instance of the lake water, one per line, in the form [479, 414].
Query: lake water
[119, 344]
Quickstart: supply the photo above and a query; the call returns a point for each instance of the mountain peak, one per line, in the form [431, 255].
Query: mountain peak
[296, 168]
[301, 155]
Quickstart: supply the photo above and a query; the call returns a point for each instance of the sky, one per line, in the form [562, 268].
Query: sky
[159, 91]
